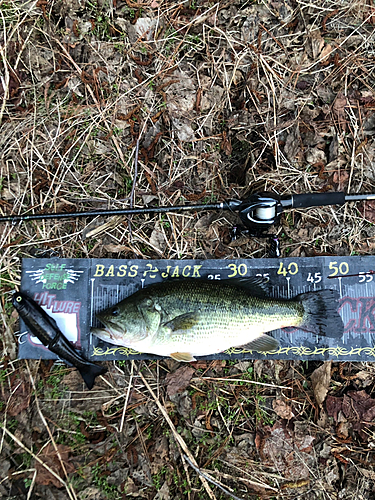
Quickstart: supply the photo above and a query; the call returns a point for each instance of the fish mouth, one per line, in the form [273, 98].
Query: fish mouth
[100, 331]
[110, 333]
[112, 328]
[111, 337]
[105, 334]
[107, 331]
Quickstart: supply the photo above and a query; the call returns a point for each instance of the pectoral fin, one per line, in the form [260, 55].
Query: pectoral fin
[183, 322]
[186, 357]
[264, 343]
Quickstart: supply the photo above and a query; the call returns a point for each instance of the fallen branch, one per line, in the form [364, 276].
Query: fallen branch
[210, 478]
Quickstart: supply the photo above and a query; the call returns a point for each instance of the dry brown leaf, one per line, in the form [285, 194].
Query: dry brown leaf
[333, 406]
[315, 44]
[282, 409]
[95, 228]
[327, 49]
[159, 454]
[132, 490]
[341, 178]
[178, 380]
[364, 378]
[195, 197]
[357, 407]
[342, 430]
[73, 380]
[321, 378]
[363, 406]
[49, 457]
[157, 239]
[217, 364]
[368, 211]
[204, 222]
[163, 493]
[20, 399]
[117, 248]
[338, 109]
[370, 474]
[226, 145]
[200, 365]
[316, 156]
[290, 456]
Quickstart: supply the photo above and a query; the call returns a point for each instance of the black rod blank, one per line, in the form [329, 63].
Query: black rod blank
[293, 201]
[126, 211]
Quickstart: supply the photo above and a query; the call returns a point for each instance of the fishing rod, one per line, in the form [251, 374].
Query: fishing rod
[258, 212]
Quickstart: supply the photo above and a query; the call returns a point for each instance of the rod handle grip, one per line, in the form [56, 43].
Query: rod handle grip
[317, 199]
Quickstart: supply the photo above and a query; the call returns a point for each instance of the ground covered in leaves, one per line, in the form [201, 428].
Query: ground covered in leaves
[226, 99]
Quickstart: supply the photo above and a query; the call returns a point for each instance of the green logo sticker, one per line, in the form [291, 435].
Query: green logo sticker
[55, 276]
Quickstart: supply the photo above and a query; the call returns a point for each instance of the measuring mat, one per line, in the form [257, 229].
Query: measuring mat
[73, 290]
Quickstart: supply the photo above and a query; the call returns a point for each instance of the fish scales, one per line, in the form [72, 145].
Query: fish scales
[187, 318]
[229, 314]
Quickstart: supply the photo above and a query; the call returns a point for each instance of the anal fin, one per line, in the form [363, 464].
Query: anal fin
[264, 343]
[186, 357]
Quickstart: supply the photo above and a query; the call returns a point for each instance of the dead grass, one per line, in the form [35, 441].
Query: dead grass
[225, 98]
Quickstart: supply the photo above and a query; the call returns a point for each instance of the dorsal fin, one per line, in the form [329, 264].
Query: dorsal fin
[257, 285]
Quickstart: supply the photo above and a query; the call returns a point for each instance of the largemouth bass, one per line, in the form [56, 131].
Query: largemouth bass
[187, 318]
[46, 330]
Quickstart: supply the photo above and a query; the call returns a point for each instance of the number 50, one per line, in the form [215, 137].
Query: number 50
[343, 268]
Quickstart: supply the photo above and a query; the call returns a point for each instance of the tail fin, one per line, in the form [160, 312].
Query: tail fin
[321, 316]
[89, 372]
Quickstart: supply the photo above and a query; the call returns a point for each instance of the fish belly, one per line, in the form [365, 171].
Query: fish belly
[217, 332]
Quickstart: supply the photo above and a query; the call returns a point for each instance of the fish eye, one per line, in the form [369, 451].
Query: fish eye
[115, 311]
[18, 298]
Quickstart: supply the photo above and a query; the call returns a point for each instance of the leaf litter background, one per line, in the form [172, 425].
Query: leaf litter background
[226, 99]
